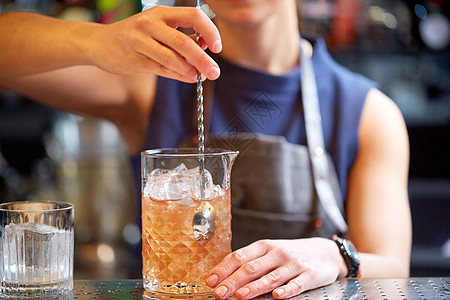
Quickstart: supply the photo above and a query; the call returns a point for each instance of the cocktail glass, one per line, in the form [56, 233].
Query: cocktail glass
[36, 248]
[186, 216]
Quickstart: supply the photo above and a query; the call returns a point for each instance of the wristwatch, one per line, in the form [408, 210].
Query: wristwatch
[350, 255]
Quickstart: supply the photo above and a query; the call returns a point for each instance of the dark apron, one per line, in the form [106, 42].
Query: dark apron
[272, 190]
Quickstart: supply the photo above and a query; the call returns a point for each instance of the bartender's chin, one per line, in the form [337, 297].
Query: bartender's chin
[245, 17]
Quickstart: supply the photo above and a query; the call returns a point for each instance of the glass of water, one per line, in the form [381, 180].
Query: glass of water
[36, 248]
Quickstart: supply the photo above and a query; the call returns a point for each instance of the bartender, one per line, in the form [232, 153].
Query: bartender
[138, 73]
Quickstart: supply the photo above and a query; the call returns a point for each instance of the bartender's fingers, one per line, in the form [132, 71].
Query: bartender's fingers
[173, 57]
[189, 17]
[268, 282]
[165, 62]
[234, 261]
[184, 45]
[294, 287]
[201, 41]
[162, 70]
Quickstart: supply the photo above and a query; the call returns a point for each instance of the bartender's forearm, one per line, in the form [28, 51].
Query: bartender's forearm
[32, 43]
[147, 42]
[376, 266]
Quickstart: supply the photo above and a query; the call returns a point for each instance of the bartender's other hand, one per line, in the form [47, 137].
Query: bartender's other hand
[149, 42]
[284, 267]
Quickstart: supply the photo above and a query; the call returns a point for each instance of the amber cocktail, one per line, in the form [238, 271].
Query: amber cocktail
[186, 217]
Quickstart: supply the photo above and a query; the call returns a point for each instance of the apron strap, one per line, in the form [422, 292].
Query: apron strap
[315, 140]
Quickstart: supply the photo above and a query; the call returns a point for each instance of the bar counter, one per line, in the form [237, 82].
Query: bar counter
[423, 288]
[364, 289]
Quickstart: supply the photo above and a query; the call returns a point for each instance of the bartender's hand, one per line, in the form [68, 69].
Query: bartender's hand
[149, 42]
[284, 267]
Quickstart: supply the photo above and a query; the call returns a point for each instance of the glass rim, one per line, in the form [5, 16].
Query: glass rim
[59, 206]
[186, 152]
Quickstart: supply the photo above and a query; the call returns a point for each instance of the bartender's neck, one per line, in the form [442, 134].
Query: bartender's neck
[271, 46]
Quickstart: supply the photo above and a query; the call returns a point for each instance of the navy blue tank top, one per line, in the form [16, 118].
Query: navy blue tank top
[248, 100]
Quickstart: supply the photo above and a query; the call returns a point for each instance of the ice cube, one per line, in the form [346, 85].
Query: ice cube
[177, 186]
[159, 172]
[169, 186]
[160, 183]
[37, 251]
[156, 186]
[180, 168]
[199, 181]
[181, 183]
[215, 192]
[33, 238]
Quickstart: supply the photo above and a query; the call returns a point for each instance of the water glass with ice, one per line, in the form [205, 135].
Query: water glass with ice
[36, 248]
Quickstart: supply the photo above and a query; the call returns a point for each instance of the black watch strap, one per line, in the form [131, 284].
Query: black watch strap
[350, 255]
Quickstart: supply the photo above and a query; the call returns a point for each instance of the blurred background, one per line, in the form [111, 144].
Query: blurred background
[402, 44]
